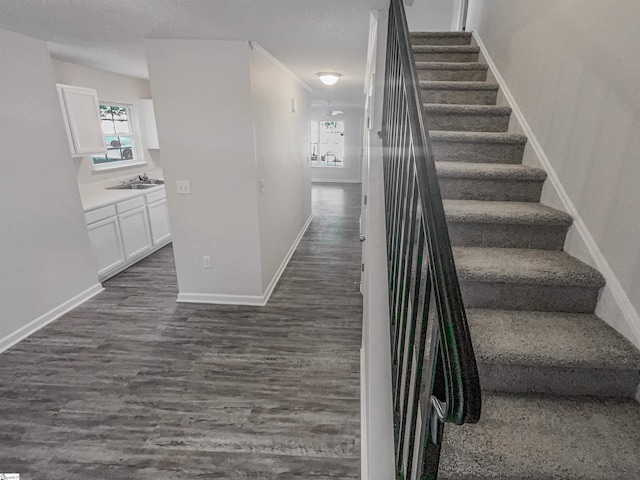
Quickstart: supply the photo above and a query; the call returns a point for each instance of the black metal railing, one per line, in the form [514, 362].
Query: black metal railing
[435, 378]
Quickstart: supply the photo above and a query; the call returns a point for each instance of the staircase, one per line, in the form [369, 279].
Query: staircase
[558, 383]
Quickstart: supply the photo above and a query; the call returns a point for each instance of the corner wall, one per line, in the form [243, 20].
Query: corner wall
[573, 70]
[351, 171]
[46, 263]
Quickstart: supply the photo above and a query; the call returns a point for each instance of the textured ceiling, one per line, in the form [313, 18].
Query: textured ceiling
[308, 36]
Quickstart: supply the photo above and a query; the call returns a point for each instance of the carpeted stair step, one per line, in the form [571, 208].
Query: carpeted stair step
[459, 93]
[536, 438]
[583, 357]
[478, 147]
[490, 181]
[474, 223]
[523, 279]
[445, 53]
[440, 38]
[468, 118]
[452, 71]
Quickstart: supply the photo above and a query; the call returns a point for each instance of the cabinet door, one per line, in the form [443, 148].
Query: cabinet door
[104, 237]
[134, 226]
[159, 221]
[83, 115]
[72, 148]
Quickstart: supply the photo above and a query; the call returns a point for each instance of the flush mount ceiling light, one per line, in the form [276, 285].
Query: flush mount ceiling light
[329, 78]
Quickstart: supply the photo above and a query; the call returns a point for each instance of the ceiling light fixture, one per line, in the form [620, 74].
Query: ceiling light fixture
[329, 78]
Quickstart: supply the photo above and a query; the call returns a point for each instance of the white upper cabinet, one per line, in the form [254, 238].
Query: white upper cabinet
[148, 120]
[82, 119]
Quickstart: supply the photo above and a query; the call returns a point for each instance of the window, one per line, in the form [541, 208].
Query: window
[327, 144]
[119, 137]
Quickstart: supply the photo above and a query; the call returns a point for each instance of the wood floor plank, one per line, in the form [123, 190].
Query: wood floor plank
[132, 385]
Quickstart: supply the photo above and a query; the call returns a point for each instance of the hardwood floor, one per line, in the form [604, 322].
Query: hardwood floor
[132, 385]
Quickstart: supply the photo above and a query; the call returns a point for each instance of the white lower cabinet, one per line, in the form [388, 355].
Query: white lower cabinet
[104, 237]
[159, 221]
[134, 226]
[125, 232]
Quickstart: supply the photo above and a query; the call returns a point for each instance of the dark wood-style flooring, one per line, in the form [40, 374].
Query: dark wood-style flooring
[132, 385]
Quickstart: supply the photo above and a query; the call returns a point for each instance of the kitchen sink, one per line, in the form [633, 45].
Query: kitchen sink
[134, 186]
[152, 182]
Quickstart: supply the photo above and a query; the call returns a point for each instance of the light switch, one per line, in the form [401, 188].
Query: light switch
[183, 187]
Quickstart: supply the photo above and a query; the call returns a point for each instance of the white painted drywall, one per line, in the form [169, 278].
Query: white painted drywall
[46, 258]
[282, 156]
[351, 171]
[433, 15]
[378, 444]
[111, 87]
[573, 69]
[202, 99]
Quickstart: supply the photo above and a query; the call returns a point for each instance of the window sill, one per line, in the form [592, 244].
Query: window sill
[116, 166]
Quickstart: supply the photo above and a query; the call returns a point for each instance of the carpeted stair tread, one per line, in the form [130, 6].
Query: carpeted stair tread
[524, 266]
[441, 85]
[442, 108]
[413, 35]
[518, 213]
[477, 137]
[452, 66]
[445, 49]
[536, 437]
[578, 340]
[489, 170]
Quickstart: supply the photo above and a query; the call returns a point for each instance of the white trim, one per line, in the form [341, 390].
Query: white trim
[364, 410]
[45, 319]
[261, 49]
[631, 317]
[328, 180]
[255, 300]
[135, 259]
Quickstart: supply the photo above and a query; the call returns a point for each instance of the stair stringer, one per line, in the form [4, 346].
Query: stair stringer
[614, 306]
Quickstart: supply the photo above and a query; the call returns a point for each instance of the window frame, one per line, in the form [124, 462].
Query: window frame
[138, 155]
[344, 145]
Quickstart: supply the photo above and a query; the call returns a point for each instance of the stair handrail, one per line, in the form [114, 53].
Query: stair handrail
[417, 228]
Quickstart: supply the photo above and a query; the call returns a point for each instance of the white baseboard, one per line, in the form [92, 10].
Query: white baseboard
[132, 261]
[322, 180]
[254, 300]
[604, 310]
[45, 319]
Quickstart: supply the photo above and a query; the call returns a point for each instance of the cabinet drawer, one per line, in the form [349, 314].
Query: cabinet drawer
[127, 205]
[155, 196]
[99, 214]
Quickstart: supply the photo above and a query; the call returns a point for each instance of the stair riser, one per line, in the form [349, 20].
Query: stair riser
[468, 123]
[558, 380]
[498, 235]
[492, 190]
[477, 152]
[446, 56]
[460, 97]
[466, 40]
[515, 296]
[452, 75]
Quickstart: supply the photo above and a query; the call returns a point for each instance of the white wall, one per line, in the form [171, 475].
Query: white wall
[111, 87]
[377, 416]
[282, 154]
[573, 69]
[204, 113]
[46, 259]
[224, 123]
[433, 15]
[351, 171]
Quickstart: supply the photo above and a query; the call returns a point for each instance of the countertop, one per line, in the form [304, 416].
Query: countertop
[96, 196]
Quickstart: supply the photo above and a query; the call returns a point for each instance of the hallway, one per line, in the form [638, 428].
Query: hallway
[132, 385]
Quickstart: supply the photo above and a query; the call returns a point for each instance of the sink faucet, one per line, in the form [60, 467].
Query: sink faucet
[143, 177]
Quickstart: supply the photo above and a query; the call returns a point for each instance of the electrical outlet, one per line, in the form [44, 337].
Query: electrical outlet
[206, 261]
[183, 187]
[262, 185]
